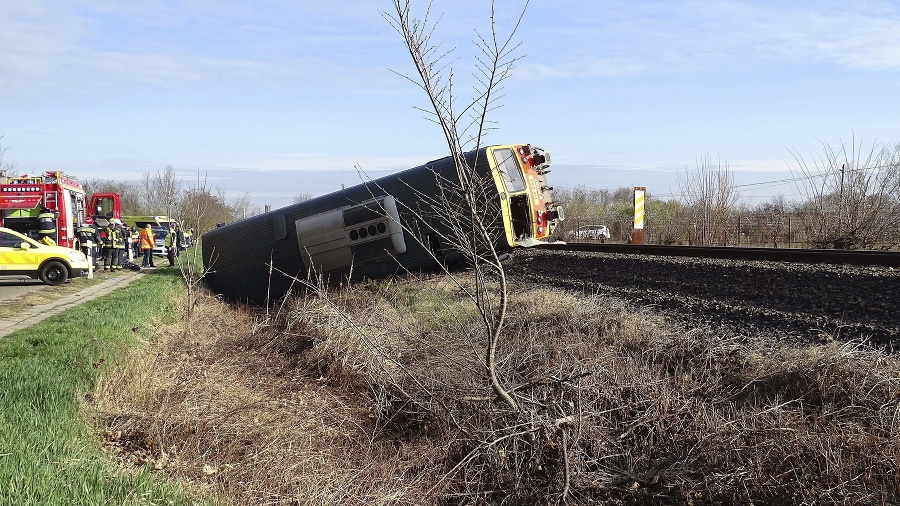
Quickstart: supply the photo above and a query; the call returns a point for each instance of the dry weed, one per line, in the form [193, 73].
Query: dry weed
[352, 396]
[228, 410]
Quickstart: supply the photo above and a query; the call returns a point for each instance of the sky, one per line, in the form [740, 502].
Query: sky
[274, 99]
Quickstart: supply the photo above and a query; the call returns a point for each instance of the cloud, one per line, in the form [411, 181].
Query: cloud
[68, 48]
[601, 67]
[849, 39]
[642, 38]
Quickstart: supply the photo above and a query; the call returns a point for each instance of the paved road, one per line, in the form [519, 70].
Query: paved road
[10, 289]
[35, 314]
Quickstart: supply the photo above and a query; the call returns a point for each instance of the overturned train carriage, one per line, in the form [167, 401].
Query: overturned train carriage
[380, 227]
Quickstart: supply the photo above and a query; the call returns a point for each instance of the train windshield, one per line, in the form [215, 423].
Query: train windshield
[509, 169]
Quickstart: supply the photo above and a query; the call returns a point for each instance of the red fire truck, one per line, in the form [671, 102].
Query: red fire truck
[23, 198]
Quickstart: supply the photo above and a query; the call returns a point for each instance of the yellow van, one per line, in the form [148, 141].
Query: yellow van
[22, 257]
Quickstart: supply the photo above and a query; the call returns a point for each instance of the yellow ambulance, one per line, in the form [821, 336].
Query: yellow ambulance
[22, 257]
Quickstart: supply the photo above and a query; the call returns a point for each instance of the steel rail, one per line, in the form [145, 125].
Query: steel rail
[811, 256]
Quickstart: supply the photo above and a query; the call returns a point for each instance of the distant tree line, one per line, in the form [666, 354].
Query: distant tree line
[197, 205]
[846, 198]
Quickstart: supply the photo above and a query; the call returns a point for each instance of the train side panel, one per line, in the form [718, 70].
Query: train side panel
[355, 229]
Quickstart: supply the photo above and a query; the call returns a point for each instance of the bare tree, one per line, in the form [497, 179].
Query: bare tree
[303, 197]
[239, 208]
[474, 230]
[162, 191]
[766, 223]
[584, 206]
[666, 221]
[204, 207]
[710, 194]
[7, 168]
[851, 195]
[130, 194]
[468, 211]
[198, 211]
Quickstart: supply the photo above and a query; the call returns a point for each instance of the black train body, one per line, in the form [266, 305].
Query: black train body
[356, 232]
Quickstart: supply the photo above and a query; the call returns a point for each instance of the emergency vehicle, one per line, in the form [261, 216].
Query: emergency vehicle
[23, 257]
[22, 199]
[108, 205]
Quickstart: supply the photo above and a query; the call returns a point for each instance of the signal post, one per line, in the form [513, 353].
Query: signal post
[637, 228]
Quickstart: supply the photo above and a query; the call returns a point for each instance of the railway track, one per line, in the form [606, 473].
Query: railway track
[788, 295]
[811, 256]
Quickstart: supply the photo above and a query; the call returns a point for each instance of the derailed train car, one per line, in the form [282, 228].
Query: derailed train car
[377, 228]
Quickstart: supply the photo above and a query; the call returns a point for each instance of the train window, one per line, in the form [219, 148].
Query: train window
[509, 170]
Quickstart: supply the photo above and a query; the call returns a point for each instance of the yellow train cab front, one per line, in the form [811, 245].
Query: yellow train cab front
[23, 257]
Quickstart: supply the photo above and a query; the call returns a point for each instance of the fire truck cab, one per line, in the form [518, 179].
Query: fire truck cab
[23, 199]
[104, 205]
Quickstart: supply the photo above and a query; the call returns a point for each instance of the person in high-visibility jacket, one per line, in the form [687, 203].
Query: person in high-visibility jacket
[121, 244]
[102, 232]
[171, 244]
[86, 233]
[148, 241]
[110, 245]
[47, 224]
[134, 236]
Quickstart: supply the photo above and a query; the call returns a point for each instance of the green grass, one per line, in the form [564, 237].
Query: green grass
[436, 308]
[48, 455]
[191, 259]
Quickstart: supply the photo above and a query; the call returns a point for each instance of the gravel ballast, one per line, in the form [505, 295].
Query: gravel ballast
[788, 301]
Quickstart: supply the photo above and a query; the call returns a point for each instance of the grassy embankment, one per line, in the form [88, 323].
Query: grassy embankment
[48, 453]
[376, 394]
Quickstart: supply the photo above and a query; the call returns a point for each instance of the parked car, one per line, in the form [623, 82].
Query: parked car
[23, 257]
[159, 233]
[590, 233]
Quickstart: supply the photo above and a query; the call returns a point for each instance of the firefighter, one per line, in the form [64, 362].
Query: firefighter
[179, 240]
[47, 225]
[102, 234]
[121, 244]
[87, 233]
[110, 246]
[171, 244]
[135, 236]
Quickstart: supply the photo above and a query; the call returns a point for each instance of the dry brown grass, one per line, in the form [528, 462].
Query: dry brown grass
[232, 413]
[378, 395]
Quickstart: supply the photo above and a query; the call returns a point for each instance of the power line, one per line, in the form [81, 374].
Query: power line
[779, 182]
[760, 185]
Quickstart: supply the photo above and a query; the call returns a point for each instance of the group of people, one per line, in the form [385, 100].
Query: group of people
[114, 241]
